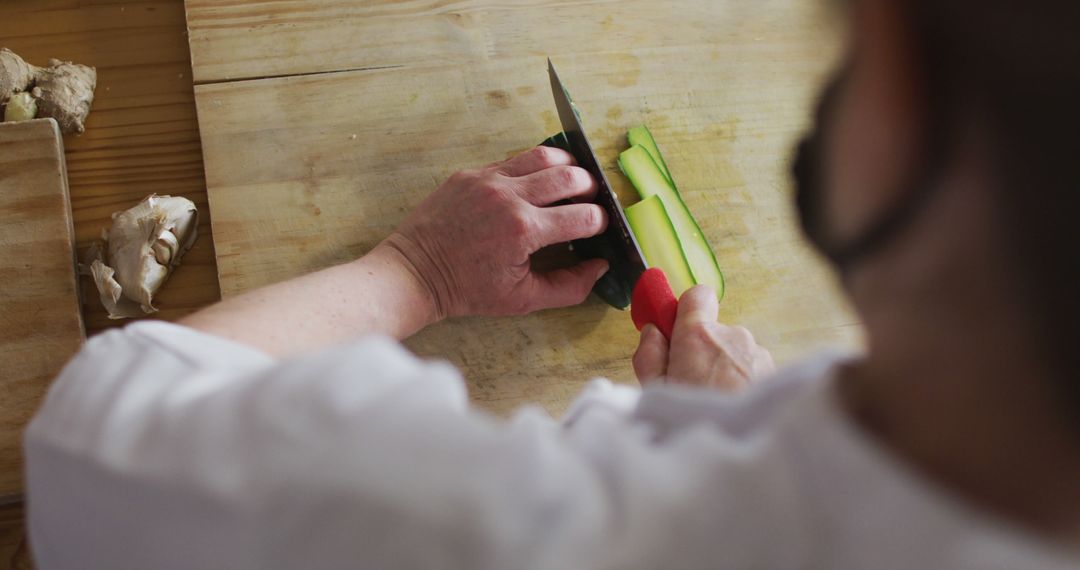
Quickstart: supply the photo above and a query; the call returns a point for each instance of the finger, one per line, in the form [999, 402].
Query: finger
[565, 287]
[535, 160]
[764, 366]
[698, 305]
[559, 224]
[651, 358]
[558, 183]
[743, 334]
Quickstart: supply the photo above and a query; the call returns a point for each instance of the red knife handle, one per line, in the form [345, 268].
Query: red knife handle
[654, 302]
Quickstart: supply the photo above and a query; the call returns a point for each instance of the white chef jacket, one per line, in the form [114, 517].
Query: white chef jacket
[161, 447]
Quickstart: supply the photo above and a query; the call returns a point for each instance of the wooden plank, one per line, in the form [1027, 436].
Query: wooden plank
[242, 40]
[142, 135]
[14, 551]
[40, 322]
[311, 170]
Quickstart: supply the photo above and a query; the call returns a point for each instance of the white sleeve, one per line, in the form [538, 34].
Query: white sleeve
[162, 447]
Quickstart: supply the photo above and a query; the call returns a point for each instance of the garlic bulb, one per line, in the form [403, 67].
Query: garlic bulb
[144, 243]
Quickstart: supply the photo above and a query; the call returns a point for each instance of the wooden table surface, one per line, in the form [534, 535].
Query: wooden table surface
[142, 137]
[324, 123]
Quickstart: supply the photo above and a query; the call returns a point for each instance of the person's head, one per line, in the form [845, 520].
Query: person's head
[977, 98]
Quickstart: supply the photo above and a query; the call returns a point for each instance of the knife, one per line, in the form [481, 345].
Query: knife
[653, 301]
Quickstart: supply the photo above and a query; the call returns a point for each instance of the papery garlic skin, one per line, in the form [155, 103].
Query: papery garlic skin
[145, 243]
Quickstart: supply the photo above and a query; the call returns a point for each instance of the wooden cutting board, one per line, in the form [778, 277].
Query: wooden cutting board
[309, 169]
[40, 322]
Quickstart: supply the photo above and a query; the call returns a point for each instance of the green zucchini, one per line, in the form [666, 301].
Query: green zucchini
[656, 235]
[641, 136]
[649, 180]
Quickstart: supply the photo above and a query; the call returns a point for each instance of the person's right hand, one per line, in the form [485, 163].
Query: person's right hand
[470, 241]
[702, 352]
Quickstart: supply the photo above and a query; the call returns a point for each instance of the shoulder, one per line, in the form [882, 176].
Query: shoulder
[700, 476]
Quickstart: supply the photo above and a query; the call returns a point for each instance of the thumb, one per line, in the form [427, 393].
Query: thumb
[651, 358]
[568, 286]
[698, 305]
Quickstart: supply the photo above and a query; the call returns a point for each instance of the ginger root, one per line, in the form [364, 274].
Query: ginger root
[62, 91]
[144, 245]
[15, 74]
[65, 91]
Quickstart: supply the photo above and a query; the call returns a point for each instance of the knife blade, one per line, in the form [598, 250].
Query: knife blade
[617, 244]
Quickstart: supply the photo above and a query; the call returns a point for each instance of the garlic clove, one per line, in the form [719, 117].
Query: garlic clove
[145, 243]
[164, 247]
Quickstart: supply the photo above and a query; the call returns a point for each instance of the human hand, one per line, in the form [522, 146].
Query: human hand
[702, 352]
[471, 240]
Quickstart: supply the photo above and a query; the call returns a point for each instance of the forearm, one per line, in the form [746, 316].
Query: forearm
[465, 250]
[379, 293]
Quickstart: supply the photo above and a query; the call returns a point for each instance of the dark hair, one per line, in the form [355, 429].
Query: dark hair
[1015, 67]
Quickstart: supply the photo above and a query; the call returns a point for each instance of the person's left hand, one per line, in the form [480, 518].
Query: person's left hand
[470, 241]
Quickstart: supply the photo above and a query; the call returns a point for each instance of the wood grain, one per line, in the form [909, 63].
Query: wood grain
[14, 551]
[309, 170]
[142, 137]
[40, 322]
[233, 40]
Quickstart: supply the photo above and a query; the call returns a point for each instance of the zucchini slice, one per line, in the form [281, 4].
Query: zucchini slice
[641, 136]
[649, 180]
[659, 242]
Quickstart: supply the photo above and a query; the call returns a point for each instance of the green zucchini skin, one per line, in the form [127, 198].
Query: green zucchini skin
[642, 136]
[649, 180]
[612, 288]
[660, 243]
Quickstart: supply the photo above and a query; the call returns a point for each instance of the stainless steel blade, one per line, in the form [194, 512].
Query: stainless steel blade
[618, 233]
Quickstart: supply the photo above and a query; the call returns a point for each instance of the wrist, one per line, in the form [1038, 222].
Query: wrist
[413, 266]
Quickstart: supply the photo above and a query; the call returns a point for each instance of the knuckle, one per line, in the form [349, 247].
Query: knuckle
[581, 177]
[585, 220]
[643, 362]
[568, 176]
[544, 155]
[491, 188]
[595, 218]
[743, 334]
[702, 334]
[460, 177]
[520, 224]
